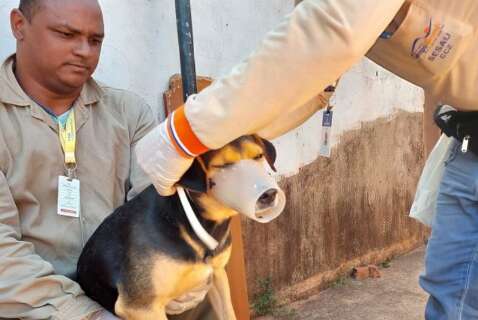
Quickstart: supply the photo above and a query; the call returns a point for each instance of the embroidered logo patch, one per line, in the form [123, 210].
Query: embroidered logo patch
[422, 44]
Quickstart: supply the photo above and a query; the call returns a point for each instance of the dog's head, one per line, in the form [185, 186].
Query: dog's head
[229, 168]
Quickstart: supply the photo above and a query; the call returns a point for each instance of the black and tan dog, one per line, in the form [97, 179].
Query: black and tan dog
[146, 254]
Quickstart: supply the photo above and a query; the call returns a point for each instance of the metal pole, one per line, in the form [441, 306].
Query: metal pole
[186, 47]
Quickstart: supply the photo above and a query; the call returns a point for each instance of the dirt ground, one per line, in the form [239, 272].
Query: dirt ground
[395, 296]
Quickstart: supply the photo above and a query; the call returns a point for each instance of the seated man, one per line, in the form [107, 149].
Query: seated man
[58, 129]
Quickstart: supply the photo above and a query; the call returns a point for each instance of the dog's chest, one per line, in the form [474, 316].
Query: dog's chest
[174, 278]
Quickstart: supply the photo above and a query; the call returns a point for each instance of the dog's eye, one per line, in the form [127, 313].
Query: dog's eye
[222, 166]
[259, 157]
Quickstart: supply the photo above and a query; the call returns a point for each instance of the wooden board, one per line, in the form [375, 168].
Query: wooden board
[173, 98]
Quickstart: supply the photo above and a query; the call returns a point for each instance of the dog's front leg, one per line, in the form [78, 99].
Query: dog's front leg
[154, 312]
[142, 314]
[220, 296]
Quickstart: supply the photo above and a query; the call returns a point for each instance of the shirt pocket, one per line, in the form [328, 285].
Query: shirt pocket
[432, 39]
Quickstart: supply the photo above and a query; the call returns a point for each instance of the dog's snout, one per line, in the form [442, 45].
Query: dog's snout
[268, 197]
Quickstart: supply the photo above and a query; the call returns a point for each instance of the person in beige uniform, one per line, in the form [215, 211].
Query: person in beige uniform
[431, 43]
[46, 82]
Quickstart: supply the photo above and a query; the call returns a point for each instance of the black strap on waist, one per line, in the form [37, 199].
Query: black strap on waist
[462, 125]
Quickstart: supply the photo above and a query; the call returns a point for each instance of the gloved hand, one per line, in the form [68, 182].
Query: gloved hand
[158, 157]
[103, 315]
[189, 300]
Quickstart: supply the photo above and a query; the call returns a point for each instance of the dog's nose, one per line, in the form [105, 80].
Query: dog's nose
[268, 197]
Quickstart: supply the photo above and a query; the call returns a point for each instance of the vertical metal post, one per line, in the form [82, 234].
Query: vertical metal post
[186, 47]
[188, 75]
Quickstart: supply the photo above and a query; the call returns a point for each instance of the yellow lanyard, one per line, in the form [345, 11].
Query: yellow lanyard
[68, 143]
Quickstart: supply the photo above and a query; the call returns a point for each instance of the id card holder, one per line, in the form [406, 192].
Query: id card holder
[68, 197]
[325, 139]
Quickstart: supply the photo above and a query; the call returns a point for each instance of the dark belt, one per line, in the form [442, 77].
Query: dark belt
[462, 125]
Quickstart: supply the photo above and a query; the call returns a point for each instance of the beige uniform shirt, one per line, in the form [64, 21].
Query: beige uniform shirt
[38, 248]
[435, 48]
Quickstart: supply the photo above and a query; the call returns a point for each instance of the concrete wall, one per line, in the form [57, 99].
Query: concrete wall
[351, 206]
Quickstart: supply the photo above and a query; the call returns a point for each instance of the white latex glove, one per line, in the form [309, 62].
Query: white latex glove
[157, 156]
[103, 315]
[189, 300]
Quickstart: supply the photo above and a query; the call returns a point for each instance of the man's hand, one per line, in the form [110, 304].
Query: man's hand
[189, 300]
[158, 157]
[103, 315]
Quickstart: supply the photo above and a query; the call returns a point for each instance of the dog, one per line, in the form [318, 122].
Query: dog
[146, 254]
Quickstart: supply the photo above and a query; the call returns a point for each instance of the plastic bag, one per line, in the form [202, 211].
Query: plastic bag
[424, 205]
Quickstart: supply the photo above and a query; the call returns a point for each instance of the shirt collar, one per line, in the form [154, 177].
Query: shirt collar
[12, 93]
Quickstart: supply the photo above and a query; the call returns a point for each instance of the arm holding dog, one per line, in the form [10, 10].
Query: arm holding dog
[310, 49]
[29, 285]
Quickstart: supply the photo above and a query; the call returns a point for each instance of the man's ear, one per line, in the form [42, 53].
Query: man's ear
[269, 151]
[195, 179]
[17, 23]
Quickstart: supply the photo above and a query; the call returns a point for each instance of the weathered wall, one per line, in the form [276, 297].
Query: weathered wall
[343, 211]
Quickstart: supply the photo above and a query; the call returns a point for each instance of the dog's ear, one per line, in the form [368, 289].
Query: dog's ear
[195, 179]
[269, 151]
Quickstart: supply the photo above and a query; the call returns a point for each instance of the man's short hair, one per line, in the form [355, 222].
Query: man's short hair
[29, 8]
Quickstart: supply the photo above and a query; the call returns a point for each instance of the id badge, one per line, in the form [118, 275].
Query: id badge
[68, 197]
[325, 139]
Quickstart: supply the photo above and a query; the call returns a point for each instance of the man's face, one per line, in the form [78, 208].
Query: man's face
[62, 43]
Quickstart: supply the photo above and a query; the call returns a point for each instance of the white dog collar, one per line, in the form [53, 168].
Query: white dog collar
[202, 234]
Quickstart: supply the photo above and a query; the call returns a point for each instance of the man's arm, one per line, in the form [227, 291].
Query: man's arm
[141, 120]
[311, 48]
[29, 287]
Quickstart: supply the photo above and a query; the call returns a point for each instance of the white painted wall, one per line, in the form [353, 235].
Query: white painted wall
[141, 53]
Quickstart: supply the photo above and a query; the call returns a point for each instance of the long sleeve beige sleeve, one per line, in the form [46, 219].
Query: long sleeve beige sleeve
[143, 121]
[311, 48]
[29, 287]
